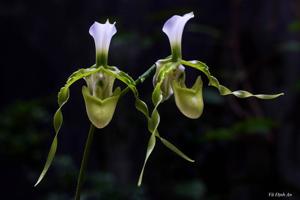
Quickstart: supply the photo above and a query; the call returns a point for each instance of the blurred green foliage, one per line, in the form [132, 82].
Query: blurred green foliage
[294, 26]
[193, 189]
[248, 126]
[290, 46]
[23, 129]
[209, 30]
[297, 86]
[98, 184]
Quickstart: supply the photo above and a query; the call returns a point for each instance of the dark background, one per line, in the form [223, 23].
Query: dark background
[244, 148]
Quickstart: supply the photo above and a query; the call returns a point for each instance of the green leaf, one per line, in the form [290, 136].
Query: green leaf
[62, 98]
[222, 89]
[150, 148]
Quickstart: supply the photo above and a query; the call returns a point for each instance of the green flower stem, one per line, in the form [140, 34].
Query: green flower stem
[141, 78]
[145, 74]
[86, 153]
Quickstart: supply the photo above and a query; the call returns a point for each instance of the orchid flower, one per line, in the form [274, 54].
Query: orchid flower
[169, 79]
[99, 97]
[173, 28]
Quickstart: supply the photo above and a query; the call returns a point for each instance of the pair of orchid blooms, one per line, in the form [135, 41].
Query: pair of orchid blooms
[101, 98]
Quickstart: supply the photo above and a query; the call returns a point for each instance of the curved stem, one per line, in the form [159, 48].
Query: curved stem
[84, 161]
[145, 74]
[141, 78]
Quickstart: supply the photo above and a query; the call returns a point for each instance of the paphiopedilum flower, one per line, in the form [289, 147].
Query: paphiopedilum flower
[169, 79]
[189, 103]
[99, 97]
[101, 100]
[168, 70]
[173, 28]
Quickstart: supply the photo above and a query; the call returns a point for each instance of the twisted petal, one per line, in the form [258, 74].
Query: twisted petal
[102, 34]
[166, 86]
[173, 28]
[167, 72]
[189, 100]
[223, 90]
[159, 65]
[100, 112]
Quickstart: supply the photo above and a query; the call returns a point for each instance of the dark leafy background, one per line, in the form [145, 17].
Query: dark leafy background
[243, 149]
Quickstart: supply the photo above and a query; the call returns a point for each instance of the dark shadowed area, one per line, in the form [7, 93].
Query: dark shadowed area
[244, 148]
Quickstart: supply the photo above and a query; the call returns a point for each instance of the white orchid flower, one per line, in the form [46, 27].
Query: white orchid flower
[173, 28]
[99, 97]
[102, 34]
